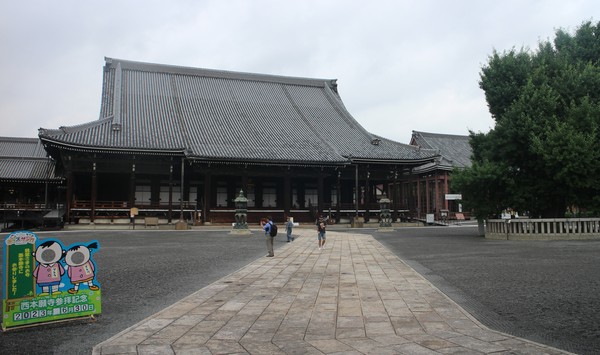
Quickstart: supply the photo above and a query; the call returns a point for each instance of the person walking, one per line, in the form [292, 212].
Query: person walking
[266, 225]
[321, 228]
[288, 228]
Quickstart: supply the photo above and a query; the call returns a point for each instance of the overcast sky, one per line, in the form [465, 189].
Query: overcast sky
[401, 65]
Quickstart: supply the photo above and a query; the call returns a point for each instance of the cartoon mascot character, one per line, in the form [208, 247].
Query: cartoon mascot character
[49, 271]
[80, 267]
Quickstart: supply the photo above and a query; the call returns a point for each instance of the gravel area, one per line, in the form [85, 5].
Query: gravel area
[140, 272]
[544, 291]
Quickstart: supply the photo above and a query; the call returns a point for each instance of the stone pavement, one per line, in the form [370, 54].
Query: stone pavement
[352, 297]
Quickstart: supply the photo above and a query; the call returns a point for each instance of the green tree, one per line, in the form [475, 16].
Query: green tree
[542, 156]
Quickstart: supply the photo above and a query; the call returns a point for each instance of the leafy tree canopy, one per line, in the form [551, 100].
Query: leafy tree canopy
[543, 154]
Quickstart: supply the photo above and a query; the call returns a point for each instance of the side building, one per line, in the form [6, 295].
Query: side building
[427, 190]
[181, 143]
[29, 185]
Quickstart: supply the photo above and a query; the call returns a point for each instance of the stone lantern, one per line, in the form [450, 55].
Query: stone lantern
[241, 214]
[385, 217]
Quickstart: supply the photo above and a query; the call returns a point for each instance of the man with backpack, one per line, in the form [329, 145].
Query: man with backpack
[270, 232]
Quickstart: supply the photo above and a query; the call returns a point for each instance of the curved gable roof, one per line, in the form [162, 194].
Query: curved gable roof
[222, 115]
[455, 149]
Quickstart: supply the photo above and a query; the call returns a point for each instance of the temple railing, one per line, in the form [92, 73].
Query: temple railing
[543, 229]
[25, 206]
[124, 205]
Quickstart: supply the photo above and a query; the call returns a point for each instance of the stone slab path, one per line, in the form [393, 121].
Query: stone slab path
[352, 297]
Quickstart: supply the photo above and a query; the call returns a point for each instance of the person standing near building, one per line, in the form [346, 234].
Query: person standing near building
[289, 225]
[321, 227]
[267, 224]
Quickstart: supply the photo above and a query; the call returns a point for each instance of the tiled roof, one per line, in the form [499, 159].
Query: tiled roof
[21, 147]
[24, 159]
[231, 116]
[455, 149]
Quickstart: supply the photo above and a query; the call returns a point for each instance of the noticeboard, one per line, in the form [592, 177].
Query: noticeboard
[45, 281]
[430, 218]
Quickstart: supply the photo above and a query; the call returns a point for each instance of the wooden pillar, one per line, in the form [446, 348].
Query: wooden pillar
[258, 193]
[231, 193]
[437, 196]
[320, 195]
[418, 182]
[181, 190]
[69, 196]
[207, 197]
[287, 193]
[339, 197]
[356, 192]
[427, 199]
[155, 192]
[300, 191]
[244, 183]
[367, 195]
[132, 186]
[47, 181]
[394, 194]
[94, 192]
[446, 189]
[170, 211]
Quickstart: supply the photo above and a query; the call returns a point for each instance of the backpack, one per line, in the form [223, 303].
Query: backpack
[273, 231]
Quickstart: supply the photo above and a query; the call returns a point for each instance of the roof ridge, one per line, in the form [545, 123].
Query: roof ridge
[414, 147]
[19, 139]
[75, 128]
[216, 73]
[8, 157]
[431, 134]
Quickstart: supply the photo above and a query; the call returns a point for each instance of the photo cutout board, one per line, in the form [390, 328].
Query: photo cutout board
[44, 281]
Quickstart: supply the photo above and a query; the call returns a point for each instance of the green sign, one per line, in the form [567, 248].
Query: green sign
[45, 282]
[19, 265]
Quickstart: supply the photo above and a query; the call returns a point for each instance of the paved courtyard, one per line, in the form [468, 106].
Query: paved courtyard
[352, 297]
